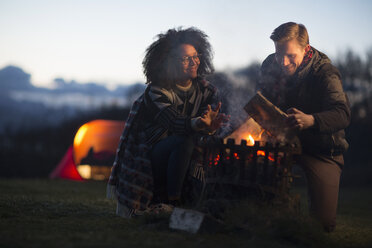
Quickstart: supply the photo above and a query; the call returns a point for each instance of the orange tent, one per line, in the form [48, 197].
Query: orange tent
[92, 153]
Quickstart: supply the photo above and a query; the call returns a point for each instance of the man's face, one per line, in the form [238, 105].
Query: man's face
[189, 61]
[289, 55]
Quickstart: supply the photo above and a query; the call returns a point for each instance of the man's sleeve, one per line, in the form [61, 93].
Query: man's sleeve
[336, 114]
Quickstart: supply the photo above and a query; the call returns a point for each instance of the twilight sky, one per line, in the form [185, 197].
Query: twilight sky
[105, 41]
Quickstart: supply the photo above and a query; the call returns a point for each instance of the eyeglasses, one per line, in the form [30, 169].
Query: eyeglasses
[187, 59]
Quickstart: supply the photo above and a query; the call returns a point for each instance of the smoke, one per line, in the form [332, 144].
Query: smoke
[235, 91]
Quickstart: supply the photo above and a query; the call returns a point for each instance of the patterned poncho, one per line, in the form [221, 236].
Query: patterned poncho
[154, 115]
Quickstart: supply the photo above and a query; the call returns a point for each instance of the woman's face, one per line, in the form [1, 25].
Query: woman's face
[189, 61]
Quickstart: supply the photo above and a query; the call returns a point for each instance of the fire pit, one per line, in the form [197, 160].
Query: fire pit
[233, 171]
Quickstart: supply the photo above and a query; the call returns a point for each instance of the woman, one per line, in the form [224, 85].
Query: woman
[177, 108]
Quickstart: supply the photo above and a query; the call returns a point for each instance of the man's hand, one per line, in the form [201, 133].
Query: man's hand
[299, 120]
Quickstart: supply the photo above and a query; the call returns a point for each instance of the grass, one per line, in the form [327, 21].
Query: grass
[46, 213]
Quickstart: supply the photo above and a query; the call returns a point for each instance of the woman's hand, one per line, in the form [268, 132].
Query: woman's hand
[212, 119]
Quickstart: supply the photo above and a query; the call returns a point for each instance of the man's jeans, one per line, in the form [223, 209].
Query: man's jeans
[323, 179]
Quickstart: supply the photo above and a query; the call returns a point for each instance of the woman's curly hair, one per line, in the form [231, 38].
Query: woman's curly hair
[160, 66]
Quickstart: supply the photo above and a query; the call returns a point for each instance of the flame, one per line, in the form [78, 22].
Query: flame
[250, 140]
[260, 134]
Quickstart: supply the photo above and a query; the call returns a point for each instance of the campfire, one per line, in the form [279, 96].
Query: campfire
[249, 160]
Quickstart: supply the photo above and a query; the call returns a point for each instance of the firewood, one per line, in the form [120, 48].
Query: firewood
[270, 117]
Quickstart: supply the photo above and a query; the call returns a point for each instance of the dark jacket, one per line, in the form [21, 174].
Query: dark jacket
[315, 89]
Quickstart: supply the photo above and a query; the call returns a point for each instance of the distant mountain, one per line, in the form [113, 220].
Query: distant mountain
[23, 105]
[14, 78]
[87, 88]
[15, 84]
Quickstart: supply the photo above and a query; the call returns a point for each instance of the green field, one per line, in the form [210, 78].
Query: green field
[45, 213]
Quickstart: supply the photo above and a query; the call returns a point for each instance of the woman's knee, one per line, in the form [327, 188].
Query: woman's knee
[185, 143]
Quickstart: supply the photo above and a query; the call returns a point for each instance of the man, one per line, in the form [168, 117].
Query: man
[176, 109]
[302, 81]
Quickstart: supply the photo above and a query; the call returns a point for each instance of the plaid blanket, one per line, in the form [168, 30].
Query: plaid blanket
[131, 180]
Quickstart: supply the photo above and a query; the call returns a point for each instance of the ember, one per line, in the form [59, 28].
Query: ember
[215, 160]
[263, 154]
[236, 156]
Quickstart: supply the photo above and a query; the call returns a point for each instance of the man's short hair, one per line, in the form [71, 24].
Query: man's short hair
[289, 31]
